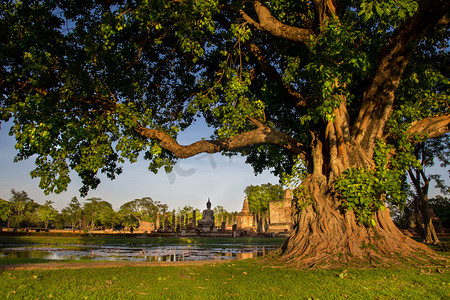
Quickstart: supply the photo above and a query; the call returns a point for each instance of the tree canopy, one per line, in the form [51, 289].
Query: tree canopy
[73, 213]
[99, 212]
[47, 213]
[22, 210]
[145, 209]
[336, 84]
[5, 209]
[259, 196]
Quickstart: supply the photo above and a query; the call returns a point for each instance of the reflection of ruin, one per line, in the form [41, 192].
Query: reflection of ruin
[244, 219]
[281, 214]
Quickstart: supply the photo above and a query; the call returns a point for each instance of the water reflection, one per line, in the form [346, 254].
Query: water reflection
[138, 253]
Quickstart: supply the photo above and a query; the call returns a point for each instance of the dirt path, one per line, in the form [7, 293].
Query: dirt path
[107, 264]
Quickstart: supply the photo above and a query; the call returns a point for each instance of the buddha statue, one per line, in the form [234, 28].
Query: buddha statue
[207, 220]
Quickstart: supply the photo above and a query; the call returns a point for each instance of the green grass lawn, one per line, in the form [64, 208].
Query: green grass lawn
[249, 279]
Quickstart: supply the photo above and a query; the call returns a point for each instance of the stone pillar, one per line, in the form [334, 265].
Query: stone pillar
[173, 227]
[267, 221]
[182, 223]
[166, 221]
[260, 223]
[194, 219]
[187, 221]
[158, 221]
[178, 224]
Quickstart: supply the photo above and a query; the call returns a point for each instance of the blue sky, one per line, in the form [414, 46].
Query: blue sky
[193, 180]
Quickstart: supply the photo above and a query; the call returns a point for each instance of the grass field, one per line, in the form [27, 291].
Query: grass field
[247, 279]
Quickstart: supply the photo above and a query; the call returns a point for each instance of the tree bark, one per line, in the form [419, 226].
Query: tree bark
[262, 134]
[327, 235]
[426, 227]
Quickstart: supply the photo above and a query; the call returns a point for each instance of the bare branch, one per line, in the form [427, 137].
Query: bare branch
[261, 135]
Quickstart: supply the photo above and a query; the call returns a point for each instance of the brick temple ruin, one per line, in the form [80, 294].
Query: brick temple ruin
[277, 220]
[280, 213]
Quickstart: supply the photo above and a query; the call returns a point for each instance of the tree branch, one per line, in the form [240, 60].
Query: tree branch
[432, 126]
[378, 99]
[324, 9]
[295, 98]
[261, 135]
[270, 24]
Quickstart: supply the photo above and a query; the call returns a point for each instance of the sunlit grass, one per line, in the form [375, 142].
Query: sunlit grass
[251, 279]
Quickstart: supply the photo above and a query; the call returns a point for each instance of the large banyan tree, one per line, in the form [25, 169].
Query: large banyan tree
[332, 95]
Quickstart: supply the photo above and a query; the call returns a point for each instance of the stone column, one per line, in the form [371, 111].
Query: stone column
[194, 218]
[173, 228]
[182, 223]
[166, 221]
[158, 221]
[259, 223]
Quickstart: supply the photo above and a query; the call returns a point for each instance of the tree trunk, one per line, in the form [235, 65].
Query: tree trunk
[418, 228]
[425, 228]
[325, 234]
[428, 231]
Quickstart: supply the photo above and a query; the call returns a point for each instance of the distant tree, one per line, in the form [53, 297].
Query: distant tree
[47, 213]
[99, 213]
[219, 214]
[61, 221]
[20, 201]
[189, 211]
[23, 210]
[127, 218]
[73, 213]
[138, 210]
[427, 154]
[259, 196]
[441, 207]
[5, 210]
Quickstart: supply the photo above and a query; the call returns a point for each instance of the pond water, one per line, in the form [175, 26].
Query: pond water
[137, 252]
